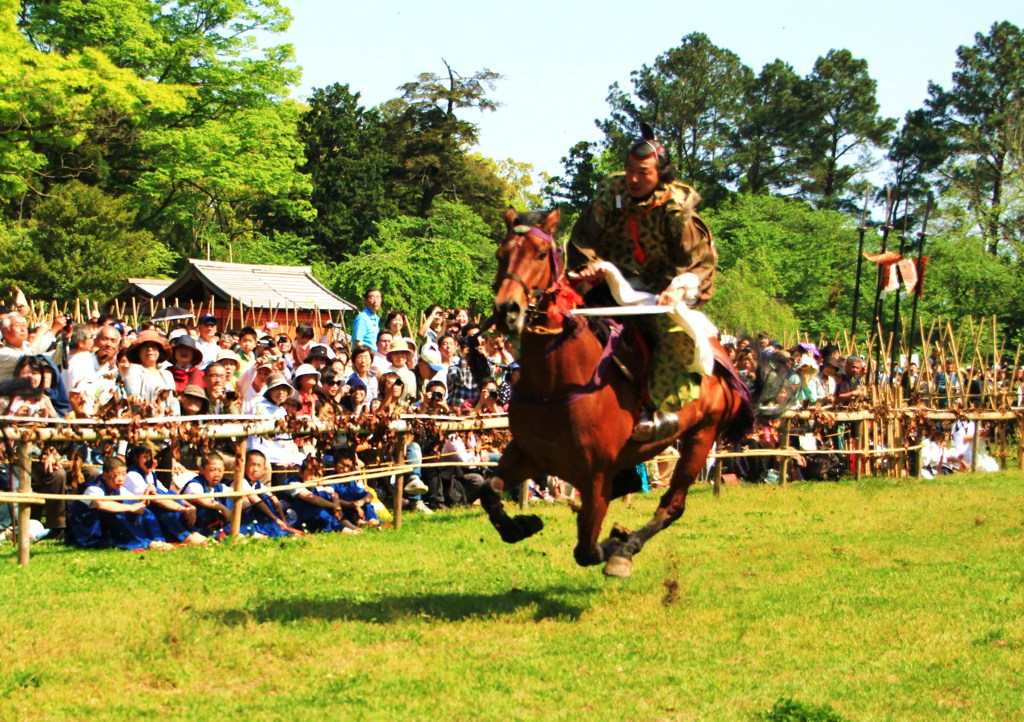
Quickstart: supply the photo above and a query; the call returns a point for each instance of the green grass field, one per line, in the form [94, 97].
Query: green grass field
[879, 600]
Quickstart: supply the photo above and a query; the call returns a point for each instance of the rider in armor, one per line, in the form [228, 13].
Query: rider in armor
[644, 222]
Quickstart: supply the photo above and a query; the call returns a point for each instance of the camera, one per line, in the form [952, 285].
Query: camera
[436, 396]
[492, 394]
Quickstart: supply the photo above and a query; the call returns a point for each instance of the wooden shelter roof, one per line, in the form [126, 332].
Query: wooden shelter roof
[255, 286]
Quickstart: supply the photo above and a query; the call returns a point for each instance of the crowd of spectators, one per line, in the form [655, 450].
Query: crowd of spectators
[448, 366]
[386, 368]
[780, 379]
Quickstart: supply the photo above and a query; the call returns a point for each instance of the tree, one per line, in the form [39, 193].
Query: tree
[447, 258]
[785, 250]
[81, 244]
[982, 112]
[429, 135]
[917, 151]
[843, 128]
[205, 184]
[772, 123]
[348, 160]
[52, 104]
[692, 96]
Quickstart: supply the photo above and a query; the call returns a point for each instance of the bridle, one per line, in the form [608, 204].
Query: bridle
[534, 296]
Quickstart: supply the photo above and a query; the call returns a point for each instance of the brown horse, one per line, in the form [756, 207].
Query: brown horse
[572, 410]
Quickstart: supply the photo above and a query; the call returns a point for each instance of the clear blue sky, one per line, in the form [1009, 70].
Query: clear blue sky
[559, 58]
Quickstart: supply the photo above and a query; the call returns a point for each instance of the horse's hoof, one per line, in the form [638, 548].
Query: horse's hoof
[515, 529]
[530, 524]
[619, 567]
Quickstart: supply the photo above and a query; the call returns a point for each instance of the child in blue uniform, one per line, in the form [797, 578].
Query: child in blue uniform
[100, 521]
[177, 517]
[356, 502]
[212, 515]
[313, 509]
[262, 514]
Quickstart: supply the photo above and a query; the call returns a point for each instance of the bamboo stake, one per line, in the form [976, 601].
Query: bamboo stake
[784, 444]
[24, 468]
[236, 510]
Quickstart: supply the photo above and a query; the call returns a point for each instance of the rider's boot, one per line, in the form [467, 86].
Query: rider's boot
[662, 425]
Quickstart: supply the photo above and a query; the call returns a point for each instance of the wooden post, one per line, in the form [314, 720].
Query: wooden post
[716, 485]
[236, 508]
[784, 444]
[974, 445]
[24, 510]
[1020, 451]
[524, 494]
[400, 449]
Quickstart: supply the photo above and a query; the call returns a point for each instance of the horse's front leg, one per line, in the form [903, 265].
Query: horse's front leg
[512, 470]
[592, 510]
[693, 453]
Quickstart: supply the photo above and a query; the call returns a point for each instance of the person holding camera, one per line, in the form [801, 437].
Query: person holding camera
[489, 402]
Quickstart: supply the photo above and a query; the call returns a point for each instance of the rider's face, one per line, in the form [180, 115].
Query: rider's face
[641, 176]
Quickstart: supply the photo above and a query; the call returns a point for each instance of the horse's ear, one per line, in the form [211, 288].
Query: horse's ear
[646, 131]
[510, 218]
[551, 222]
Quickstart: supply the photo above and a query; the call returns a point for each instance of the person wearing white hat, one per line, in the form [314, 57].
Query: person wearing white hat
[306, 378]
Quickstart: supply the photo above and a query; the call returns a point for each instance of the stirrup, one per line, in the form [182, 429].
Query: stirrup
[661, 426]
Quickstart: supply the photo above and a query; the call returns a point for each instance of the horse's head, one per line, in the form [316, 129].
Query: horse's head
[529, 266]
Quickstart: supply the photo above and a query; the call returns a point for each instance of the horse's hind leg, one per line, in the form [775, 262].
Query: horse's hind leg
[693, 453]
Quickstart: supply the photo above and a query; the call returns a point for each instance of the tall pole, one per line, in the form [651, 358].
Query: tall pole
[917, 290]
[877, 315]
[860, 262]
[899, 275]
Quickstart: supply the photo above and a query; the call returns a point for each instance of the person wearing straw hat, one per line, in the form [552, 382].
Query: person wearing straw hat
[399, 357]
[146, 382]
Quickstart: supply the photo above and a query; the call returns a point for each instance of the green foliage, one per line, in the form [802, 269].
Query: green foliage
[770, 125]
[348, 160]
[789, 710]
[429, 136]
[209, 181]
[981, 113]
[784, 250]
[741, 306]
[81, 244]
[50, 103]
[692, 97]
[843, 127]
[447, 258]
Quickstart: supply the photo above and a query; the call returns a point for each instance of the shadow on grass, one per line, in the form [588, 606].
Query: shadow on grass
[449, 607]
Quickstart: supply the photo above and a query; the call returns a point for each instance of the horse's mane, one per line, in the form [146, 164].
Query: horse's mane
[531, 218]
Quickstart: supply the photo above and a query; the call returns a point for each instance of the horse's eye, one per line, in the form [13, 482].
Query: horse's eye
[541, 255]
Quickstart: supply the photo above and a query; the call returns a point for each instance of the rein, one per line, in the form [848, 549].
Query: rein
[561, 299]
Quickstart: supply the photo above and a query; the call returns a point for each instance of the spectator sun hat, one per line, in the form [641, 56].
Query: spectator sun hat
[207, 319]
[399, 345]
[148, 336]
[226, 355]
[305, 370]
[320, 351]
[197, 392]
[188, 342]
[278, 380]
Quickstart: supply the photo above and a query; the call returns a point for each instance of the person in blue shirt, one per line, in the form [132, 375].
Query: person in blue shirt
[367, 323]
